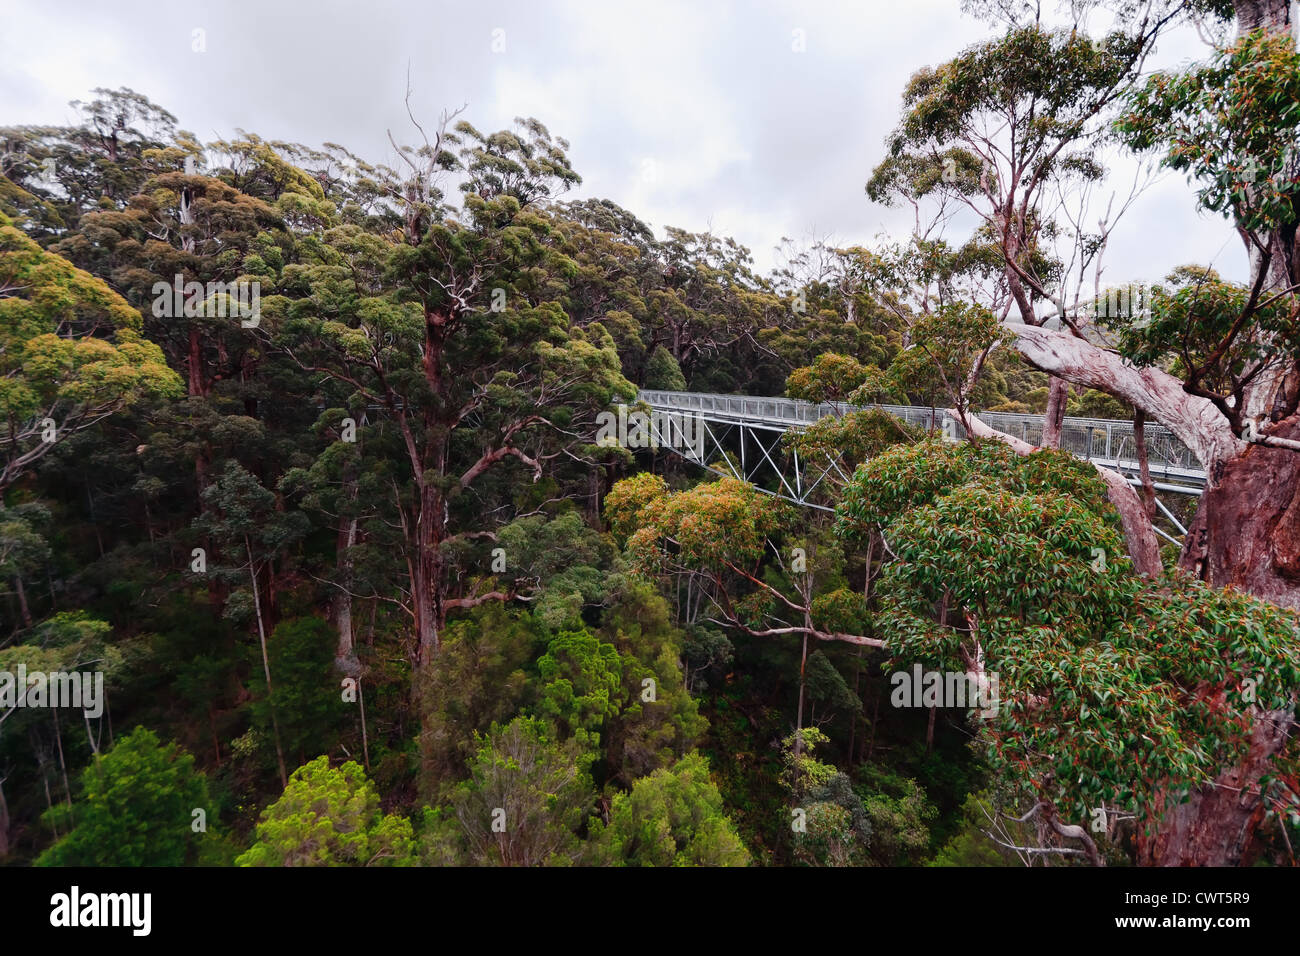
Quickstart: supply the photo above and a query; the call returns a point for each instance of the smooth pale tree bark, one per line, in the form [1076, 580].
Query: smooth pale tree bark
[1246, 533]
[266, 663]
[344, 653]
[1193, 420]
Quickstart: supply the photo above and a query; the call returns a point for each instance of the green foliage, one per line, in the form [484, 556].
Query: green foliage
[946, 347]
[905, 477]
[996, 558]
[854, 437]
[713, 525]
[330, 817]
[802, 773]
[831, 378]
[831, 828]
[1066, 74]
[1230, 124]
[1215, 334]
[900, 815]
[135, 808]
[561, 561]
[837, 830]
[973, 846]
[673, 817]
[632, 501]
[70, 352]
[825, 687]
[526, 797]
[706, 653]
[423, 391]
[480, 680]
[658, 720]
[23, 548]
[307, 697]
[580, 676]
[662, 371]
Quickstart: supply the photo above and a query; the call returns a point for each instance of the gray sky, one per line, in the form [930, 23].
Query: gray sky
[694, 114]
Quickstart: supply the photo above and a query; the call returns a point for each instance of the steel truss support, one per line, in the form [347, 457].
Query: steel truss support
[728, 429]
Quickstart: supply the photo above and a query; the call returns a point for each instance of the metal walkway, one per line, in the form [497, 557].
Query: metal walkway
[753, 426]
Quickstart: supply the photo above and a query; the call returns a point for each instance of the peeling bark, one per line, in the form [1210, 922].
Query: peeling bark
[1246, 533]
[1058, 394]
[1217, 825]
[1194, 420]
[1274, 15]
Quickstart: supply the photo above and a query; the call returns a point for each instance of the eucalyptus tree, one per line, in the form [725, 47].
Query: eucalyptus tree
[72, 352]
[447, 331]
[1117, 695]
[710, 308]
[1213, 362]
[1013, 130]
[63, 172]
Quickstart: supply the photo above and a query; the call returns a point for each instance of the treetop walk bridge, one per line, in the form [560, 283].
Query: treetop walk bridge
[741, 434]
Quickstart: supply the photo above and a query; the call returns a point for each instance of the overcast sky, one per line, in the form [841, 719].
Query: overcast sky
[701, 114]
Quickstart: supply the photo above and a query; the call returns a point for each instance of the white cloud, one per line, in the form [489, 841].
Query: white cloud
[746, 134]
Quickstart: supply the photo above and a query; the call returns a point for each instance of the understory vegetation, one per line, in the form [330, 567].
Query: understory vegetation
[298, 450]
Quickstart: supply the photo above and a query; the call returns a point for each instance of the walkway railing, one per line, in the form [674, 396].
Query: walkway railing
[1105, 441]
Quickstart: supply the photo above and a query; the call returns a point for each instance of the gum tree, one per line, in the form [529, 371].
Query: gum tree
[448, 331]
[1005, 130]
[71, 353]
[136, 809]
[1217, 364]
[330, 816]
[1119, 694]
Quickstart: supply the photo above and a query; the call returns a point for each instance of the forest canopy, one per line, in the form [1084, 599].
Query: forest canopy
[299, 457]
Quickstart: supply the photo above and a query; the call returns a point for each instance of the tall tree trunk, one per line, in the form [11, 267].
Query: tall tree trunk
[266, 665]
[429, 584]
[345, 654]
[1217, 825]
[803, 662]
[63, 764]
[1246, 533]
[1144, 464]
[428, 568]
[1058, 394]
[24, 612]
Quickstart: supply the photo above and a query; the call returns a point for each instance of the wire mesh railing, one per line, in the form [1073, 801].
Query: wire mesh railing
[1098, 439]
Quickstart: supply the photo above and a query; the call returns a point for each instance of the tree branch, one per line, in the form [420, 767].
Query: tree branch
[1194, 420]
